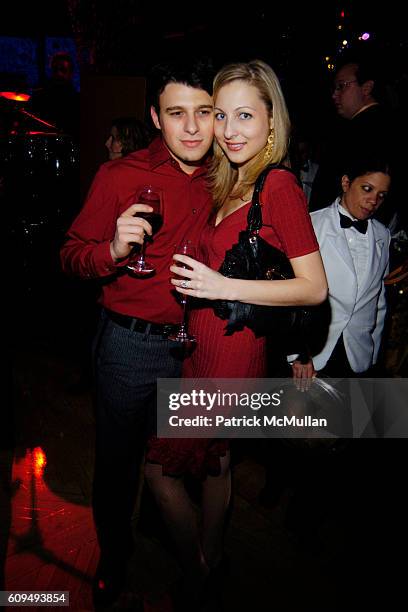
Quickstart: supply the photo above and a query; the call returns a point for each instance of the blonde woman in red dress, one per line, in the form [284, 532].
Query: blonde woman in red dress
[251, 127]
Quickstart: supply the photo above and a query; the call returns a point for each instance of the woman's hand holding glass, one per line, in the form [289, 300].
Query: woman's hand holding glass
[198, 280]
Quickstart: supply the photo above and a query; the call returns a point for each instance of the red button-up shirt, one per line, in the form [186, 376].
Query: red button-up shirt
[186, 203]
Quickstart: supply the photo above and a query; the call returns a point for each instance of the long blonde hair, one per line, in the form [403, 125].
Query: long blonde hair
[223, 175]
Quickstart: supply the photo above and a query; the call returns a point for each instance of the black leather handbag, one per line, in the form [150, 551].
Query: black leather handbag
[252, 258]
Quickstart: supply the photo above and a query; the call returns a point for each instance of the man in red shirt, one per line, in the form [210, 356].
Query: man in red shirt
[131, 347]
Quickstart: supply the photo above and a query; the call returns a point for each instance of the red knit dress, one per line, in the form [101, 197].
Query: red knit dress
[287, 226]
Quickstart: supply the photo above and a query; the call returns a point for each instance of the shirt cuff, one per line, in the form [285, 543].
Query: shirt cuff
[291, 358]
[103, 262]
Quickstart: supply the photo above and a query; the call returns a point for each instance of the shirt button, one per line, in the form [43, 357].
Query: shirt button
[194, 211]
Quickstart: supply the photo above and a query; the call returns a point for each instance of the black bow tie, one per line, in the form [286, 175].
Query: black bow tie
[360, 224]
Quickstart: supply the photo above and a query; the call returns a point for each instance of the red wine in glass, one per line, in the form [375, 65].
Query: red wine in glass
[147, 194]
[181, 334]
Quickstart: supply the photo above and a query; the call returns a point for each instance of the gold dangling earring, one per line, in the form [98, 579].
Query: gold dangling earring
[269, 145]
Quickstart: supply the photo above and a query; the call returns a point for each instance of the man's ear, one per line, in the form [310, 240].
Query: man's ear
[367, 87]
[155, 118]
[345, 183]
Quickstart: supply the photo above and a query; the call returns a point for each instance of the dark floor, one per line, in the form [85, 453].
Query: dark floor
[308, 551]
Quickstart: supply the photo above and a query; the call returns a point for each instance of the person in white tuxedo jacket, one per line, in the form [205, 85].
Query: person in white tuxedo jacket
[354, 250]
[355, 253]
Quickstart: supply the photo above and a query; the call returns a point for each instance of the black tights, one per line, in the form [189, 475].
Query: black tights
[198, 543]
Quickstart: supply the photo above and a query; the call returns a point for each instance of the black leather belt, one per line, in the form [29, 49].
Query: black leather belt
[140, 325]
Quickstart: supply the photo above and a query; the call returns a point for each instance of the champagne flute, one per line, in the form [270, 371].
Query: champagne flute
[146, 194]
[181, 334]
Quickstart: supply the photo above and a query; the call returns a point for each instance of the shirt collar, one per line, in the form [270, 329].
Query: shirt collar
[343, 210]
[159, 155]
[363, 108]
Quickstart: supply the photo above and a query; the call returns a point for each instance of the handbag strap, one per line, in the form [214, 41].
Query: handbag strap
[254, 218]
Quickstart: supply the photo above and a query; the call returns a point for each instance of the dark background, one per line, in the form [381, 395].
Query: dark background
[115, 43]
[124, 38]
[127, 37]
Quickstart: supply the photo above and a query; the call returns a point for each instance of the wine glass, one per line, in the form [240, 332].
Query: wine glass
[151, 196]
[181, 334]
